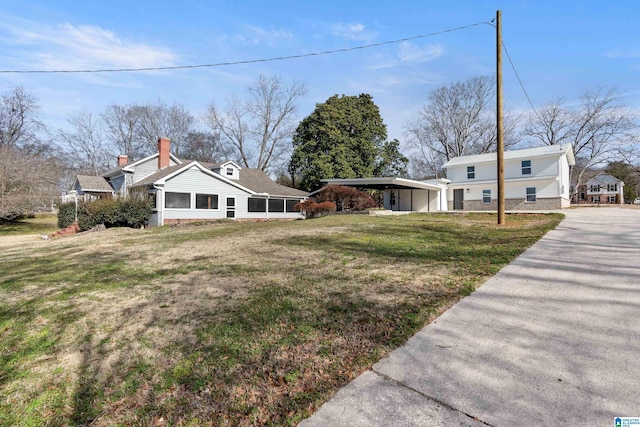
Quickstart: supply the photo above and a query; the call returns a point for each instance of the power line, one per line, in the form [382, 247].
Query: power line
[520, 81]
[249, 61]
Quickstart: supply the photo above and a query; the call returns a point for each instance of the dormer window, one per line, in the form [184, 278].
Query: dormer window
[471, 172]
[229, 171]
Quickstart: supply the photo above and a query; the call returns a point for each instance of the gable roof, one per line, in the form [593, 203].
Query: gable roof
[259, 182]
[547, 150]
[603, 178]
[94, 184]
[251, 180]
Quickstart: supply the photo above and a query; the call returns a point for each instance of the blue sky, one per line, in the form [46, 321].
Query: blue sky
[560, 49]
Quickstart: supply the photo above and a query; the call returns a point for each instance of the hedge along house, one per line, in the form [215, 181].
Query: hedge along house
[403, 195]
[535, 179]
[187, 191]
[193, 191]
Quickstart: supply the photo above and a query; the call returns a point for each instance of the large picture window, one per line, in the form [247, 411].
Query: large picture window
[531, 194]
[276, 205]
[257, 204]
[177, 200]
[206, 201]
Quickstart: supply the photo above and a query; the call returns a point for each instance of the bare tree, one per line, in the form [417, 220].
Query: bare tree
[161, 120]
[599, 130]
[203, 147]
[20, 126]
[458, 120]
[27, 181]
[85, 145]
[258, 131]
[121, 122]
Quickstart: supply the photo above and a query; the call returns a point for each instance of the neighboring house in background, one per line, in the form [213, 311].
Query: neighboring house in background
[185, 191]
[601, 189]
[534, 179]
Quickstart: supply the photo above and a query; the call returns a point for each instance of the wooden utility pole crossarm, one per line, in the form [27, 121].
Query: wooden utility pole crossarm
[500, 131]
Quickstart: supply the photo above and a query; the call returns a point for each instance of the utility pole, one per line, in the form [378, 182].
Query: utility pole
[500, 129]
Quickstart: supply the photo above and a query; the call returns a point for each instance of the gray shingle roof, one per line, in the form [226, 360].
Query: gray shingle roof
[253, 179]
[603, 178]
[89, 183]
[160, 174]
[258, 181]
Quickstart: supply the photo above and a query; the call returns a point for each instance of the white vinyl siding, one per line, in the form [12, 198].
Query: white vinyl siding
[195, 182]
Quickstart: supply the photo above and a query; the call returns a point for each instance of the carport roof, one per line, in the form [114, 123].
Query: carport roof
[383, 183]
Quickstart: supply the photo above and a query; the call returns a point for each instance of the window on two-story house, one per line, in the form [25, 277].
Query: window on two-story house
[612, 199]
[526, 167]
[595, 199]
[229, 171]
[612, 187]
[471, 172]
[594, 188]
[531, 194]
[486, 196]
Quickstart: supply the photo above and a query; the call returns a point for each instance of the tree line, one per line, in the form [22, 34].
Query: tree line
[344, 137]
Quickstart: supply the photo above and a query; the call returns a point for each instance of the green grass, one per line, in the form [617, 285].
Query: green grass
[232, 323]
[44, 223]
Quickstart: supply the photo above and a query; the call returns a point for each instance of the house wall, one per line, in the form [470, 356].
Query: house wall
[549, 175]
[416, 200]
[547, 195]
[195, 181]
[540, 166]
[146, 168]
[118, 184]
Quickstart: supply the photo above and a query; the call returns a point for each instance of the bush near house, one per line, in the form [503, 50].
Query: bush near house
[347, 198]
[312, 209]
[66, 214]
[130, 212]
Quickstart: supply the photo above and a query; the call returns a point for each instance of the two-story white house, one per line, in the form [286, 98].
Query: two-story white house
[535, 179]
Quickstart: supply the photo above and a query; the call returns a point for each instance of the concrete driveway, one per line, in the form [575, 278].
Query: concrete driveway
[552, 340]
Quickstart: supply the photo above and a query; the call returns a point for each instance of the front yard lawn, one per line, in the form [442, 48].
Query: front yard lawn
[230, 323]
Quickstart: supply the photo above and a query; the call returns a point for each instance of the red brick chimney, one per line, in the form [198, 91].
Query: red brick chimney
[122, 160]
[163, 153]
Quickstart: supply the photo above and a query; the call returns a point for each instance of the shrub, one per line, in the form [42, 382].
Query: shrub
[311, 209]
[66, 214]
[348, 198]
[131, 212]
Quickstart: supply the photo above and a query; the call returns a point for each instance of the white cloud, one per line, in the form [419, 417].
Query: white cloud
[409, 53]
[352, 31]
[68, 46]
[273, 37]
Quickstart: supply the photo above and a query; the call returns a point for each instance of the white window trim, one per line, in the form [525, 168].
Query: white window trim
[191, 201]
[195, 202]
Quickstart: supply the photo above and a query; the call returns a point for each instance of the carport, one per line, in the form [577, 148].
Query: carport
[402, 194]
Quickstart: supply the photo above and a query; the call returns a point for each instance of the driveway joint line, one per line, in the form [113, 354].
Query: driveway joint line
[426, 396]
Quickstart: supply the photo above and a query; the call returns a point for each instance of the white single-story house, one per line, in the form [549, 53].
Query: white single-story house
[185, 191]
[402, 194]
[534, 179]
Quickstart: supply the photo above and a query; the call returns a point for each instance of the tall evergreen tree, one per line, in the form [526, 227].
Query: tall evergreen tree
[344, 137]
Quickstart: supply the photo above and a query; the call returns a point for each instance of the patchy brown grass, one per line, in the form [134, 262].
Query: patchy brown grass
[228, 324]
